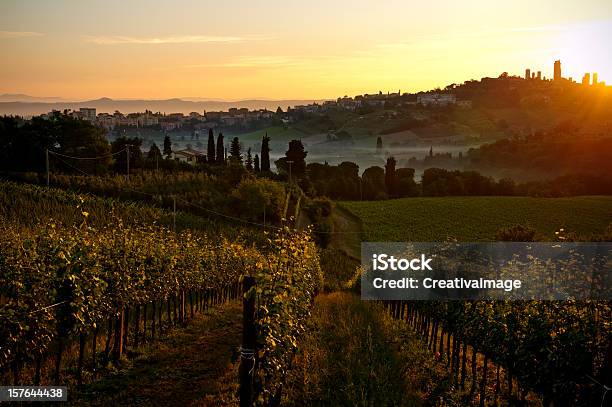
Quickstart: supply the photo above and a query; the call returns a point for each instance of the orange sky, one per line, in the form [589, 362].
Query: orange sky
[289, 49]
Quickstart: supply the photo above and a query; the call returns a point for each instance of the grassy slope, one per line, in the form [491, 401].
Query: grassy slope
[276, 133]
[357, 355]
[478, 218]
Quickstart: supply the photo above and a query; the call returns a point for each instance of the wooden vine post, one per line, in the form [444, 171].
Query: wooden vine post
[247, 350]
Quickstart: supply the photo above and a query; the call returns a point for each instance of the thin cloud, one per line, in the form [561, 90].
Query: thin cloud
[20, 34]
[181, 39]
[543, 28]
[280, 61]
[252, 62]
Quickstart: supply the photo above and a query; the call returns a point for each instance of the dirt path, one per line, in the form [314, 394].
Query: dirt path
[348, 230]
[352, 357]
[192, 366]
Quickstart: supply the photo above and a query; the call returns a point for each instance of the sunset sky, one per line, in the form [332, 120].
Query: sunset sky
[289, 49]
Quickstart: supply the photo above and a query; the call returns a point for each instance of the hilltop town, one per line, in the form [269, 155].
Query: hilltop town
[448, 120]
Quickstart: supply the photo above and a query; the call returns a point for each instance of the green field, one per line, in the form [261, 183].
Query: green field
[478, 218]
[276, 133]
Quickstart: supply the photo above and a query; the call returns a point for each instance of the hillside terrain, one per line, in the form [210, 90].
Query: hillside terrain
[478, 218]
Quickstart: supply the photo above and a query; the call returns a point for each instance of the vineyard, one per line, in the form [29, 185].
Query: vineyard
[560, 351]
[508, 352]
[93, 287]
[86, 279]
[229, 197]
[471, 219]
[38, 204]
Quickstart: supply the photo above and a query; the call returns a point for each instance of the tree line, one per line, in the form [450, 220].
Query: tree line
[377, 183]
[217, 155]
[23, 145]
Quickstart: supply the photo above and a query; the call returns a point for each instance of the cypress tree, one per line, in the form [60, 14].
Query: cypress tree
[265, 153]
[211, 147]
[379, 143]
[256, 163]
[220, 150]
[249, 161]
[235, 153]
[390, 178]
[297, 155]
[154, 153]
[167, 147]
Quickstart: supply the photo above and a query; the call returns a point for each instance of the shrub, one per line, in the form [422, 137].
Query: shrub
[516, 233]
[253, 194]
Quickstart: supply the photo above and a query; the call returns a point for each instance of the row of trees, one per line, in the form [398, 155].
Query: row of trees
[23, 146]
[343, 182]
[216, 154]
[559, 151]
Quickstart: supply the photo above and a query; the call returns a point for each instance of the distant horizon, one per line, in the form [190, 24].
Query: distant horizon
[261, 98]
[184, 98]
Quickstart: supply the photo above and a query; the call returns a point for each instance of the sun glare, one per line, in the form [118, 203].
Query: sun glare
[586, 48]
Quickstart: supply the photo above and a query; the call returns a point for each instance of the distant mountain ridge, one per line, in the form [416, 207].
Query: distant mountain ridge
[20, 97]
[24, 105]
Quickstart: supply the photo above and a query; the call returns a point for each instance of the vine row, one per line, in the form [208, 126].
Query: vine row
[557, 350]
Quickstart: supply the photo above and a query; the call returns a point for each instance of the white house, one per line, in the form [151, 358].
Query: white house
[88, 113]
[188, 155]
[436, 99]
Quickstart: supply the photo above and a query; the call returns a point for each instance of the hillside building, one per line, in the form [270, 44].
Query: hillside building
[436, 99]
[188, 155]
[557, 70]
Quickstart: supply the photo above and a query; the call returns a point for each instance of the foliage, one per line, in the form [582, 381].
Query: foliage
[265, 153]
[154, 155]
[334, 181]
[373, 183]
[441, 182]
[23, 145]
[195, 192]
[516, 233]
[406, 186]
[339, 182]
[211, 147]
[220, 150]
[318, 208]
[549, 347]
[338, 269]
[248, 162]
[235, 151]
[294, 160]
[253, 196]
[167, 147]
[558, 152]
[287, 282]
[391, 177]
[92, 273]
[37, 204]
[132, 145]
[319, 211]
